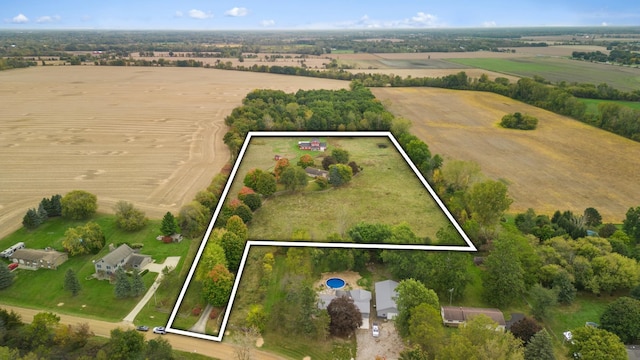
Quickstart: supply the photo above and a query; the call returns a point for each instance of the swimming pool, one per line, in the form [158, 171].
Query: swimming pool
[335, 283]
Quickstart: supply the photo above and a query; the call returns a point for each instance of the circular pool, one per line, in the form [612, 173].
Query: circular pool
[335, 283]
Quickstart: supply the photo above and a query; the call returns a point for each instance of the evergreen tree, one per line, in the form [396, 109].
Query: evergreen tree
[31, 220]
[137, 284]
[71, 282]
[122, 286]
[6, 277]
[46, 204]
[169, 224]
[43, 215]
[539, 347]
[56, 206]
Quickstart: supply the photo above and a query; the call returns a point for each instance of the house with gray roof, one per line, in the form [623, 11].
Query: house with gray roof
[124, 257]
[361, 299]
[455, 316]
[35, 259]
[386, 299]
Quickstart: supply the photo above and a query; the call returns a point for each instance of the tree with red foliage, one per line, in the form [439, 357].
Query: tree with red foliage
[525, 328]
[345, 316]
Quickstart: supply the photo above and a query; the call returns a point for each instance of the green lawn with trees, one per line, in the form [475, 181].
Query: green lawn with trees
[96, 298]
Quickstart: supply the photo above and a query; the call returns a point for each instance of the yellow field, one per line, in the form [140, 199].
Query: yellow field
[151, 136]
[562, 165]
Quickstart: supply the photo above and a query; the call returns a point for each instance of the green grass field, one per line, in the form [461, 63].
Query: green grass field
[386, 191]
[96, 299]
[560, 69]
[592, 104]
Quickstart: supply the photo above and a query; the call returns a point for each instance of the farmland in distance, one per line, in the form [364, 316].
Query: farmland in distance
[562, 165]
[151, 136]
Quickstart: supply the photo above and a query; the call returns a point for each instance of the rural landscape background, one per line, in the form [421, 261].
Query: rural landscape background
[155, 118]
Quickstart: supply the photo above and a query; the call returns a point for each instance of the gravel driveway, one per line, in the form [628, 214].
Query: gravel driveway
[388, 346]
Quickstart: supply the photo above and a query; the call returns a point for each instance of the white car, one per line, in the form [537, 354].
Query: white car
[375, 330]
[159, 330]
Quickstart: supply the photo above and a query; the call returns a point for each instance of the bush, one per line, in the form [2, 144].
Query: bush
[196, 311]
[519, 121]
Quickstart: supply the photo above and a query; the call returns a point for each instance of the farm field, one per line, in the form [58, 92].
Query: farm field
[151, 136]
[562, 165]
[592, 104]
[560, 69]
[385, 191]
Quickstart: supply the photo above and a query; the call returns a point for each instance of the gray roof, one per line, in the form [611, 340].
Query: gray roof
[113, 258]
[361, 299]
[33, 255]
[385, 294]
[136, 260]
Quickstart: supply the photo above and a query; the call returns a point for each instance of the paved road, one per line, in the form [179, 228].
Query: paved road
[178, 342]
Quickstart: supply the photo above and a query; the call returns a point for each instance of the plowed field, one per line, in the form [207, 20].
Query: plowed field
[151, 136]
[562, 165]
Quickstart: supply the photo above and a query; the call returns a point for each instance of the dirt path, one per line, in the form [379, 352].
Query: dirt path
[178, 342]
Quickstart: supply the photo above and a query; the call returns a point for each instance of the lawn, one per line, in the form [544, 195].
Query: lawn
[96, 299]
[560, 69]
[592, 104]
[386, 191]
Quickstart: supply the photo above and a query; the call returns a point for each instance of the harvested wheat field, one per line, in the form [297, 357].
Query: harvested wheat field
[151, 136]
[562, 165]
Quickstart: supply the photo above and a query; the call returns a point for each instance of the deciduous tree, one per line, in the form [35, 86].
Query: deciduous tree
[339, 174]
[524, 329]
[193, 219]
[504, 278]
[425, 328]
[212, 255]
[596, 344]
[541, 300]
[128, 217]
[216, 287]
[305, 161]
[125, 344]
[78, 204]
[622, 317]
[412, 293]
[233, 248]
[345, 316]
[488, 200]
[294, 178]
[340, 155]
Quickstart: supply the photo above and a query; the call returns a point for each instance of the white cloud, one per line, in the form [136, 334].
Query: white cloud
[604, 24]
[47, 19]
[178, 14]
[237, 11]
[489, 24]
[267, 23]
[20, 19]
[199, 14]
[420, 20]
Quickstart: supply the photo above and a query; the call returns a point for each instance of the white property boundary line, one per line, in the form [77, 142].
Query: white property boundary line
[383, 134]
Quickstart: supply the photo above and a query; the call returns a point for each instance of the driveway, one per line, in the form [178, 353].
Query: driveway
[170, 262]
[387, 346]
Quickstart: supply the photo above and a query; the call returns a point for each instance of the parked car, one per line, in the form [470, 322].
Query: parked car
[159, 330]
[142, 328]
[375, 330]
[12, 266]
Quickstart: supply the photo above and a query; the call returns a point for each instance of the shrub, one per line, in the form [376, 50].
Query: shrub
[519, 121]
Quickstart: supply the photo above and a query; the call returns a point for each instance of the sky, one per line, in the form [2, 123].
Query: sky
[311, 15]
